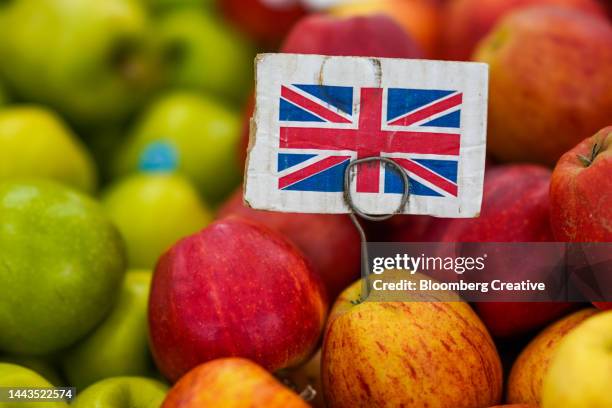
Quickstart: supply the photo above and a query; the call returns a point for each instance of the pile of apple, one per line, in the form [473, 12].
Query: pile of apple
[122, 140]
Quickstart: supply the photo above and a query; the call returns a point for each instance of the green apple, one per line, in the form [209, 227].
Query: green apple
[167, 5]
[38, 364]
[202, 53]
[580, 373]
[119, 346]
[122, 392]
[152, 211]
[12, 375]
[91, 60]
[191, 133]
[61, 266]
[35, 142]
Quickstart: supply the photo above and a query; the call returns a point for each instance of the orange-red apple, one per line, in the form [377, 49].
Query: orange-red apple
[330, 242]
[550, 87]
[417, 354]
[528, 371]
[581, 191]
[466, 22]
[231, 383]
[234, 289]
[420, 18]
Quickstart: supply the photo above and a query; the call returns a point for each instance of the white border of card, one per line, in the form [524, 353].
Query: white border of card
[275, 70]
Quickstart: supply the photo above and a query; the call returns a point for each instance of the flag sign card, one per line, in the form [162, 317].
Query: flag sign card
[314, 114]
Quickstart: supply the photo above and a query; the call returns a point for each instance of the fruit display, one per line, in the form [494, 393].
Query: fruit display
[132, 270]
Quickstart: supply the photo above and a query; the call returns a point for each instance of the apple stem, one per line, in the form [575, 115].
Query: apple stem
[587, 161]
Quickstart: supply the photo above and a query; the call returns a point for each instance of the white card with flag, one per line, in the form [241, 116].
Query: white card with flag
[314, 114]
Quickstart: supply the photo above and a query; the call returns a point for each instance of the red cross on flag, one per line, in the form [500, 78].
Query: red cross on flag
[315, 114]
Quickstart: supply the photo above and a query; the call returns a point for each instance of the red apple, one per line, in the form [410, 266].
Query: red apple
[370, 36]
[515, 209]
[511, 193]
[414, 228]
[466, 22]
[581, 191]
[550, 87]
[234, 289]
[231, 383]
[330, 242]
[263, 21]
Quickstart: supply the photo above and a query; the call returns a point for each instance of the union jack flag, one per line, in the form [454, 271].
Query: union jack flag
[323, 127]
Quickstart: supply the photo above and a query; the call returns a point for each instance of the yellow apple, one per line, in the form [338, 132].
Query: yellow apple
[580, 373]
[525, 382]
[36, 143]
[417, 354]
[16, 376]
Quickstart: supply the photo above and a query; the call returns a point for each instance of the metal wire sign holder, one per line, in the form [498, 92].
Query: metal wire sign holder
[356, 212]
